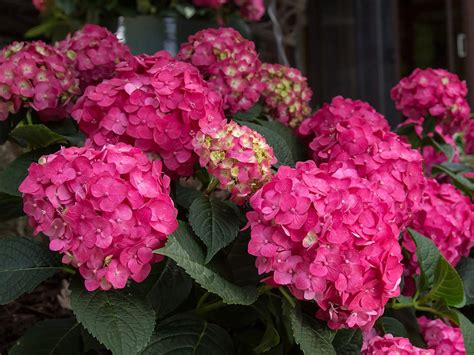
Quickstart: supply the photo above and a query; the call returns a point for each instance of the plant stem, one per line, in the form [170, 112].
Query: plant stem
[69, 270]
[288, 297]
[212, 185]
[201, 301]
[210, 307]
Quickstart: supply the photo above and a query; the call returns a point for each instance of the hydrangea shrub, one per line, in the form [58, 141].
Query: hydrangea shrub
[195, 204]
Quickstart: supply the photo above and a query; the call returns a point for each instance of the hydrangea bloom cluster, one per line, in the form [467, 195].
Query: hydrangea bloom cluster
[104, 210]
[35, 75]
[228, 62]
[40, 5]
[469, 138]
[390, 345]
[286, 94]
[238, 157]
[328, 237]
[252, 10]
[209, 3]
[434, 92]
[446, 216]
[159, 109]
[95, 52]
[354, 133]
[441, 337]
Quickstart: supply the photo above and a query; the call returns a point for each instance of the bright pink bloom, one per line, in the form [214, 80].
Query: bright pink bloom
[352, 132]
[155, 103]
[251, 10]
[228, 62]
[390, 345]
[238, 157]
[469, 138]
[434, 92]
[329, 238]
[104, 210]
[40, 5]
[37, 76]
[446, 216]
[441, 337]
[209, 3]
[286, 94]
[95, 52]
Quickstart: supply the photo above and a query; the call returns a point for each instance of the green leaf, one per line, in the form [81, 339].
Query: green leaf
[69, 130]
[392, 326]
[467, 329]
[427, 254]
[214, 222]
[429, 124]
[185, 196]
[348, 342]
[10, 207]
[466, 270]
[170, 289]
[185, 334]
[447, 285]
[270, 339]
[68, 6]
[242, 264]
[459, 180]
[280, 147]
[50, 337]
[293, 142]
[14, 174]
[24, 264]
[249, 115]
[37, 136]
[309, 334]
[182, 248]
[42, 29]
[122, 320]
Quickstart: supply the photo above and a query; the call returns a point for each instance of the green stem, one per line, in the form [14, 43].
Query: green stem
[201, 301]
[417, 307]
[430, 310]
[212, 185]
[69, 270]
[210, 307]
[288, 297]
[264, 289]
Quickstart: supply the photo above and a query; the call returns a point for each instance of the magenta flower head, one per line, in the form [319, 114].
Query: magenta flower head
[95, 51]
[238, 157]
[251, 10]
[441, 337]
[469, 138]
[209, 3]
[388, 344]
[446, 216]
[228, 62]
[159, 109]
[434, 92]
[354, 133]
[286, 95]
[329, 238]
[105, 210]
[38, 76]
[40, 5]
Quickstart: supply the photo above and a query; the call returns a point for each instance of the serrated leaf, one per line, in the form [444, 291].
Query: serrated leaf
[348, 342]
[170, 289]
[392, 326]
[280, 147]
[24, 264]
[427, 254]
[10, 207]
[214, 222]
[185, 196]
[182, 248]
[15, 172]
[50, 337]
[122, 320]
[249, 115]
[242, 264]
[186, 334]
[467, 329]
[311, 336]
[447, 285]
[466, 270]
[459, 180]
[293, 142]
[37, 136]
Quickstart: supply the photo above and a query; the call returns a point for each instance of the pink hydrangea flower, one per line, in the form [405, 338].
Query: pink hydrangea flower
[441, 337]
[434, 92]
[286, 94]
[157, 104]
[469, 138]
[104, 210]
[95, 51]
[37, 76]
[329, 238]
[238, 157]
[446, 216]
[390, 345]
[251, 10]
[40, 5]
[209, 3]
[228, 62]
[354, 133]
